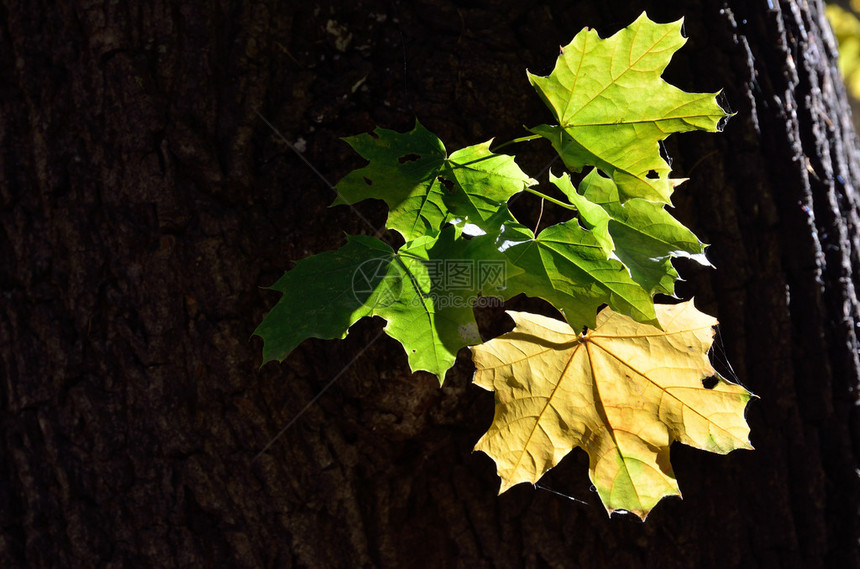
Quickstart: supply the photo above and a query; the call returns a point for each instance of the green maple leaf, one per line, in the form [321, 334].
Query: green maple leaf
[424, 291]
[571, 268]
[613, 108]
[424, 187]
[325, 294]
[433, 316]
[640, 233]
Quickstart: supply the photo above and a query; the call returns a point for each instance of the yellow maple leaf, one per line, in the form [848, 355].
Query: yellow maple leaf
[623, 392]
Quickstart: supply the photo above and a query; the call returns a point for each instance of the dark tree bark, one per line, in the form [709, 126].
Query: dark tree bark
[143, 203]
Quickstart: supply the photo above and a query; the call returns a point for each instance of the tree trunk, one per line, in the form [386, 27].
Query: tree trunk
[144, 203]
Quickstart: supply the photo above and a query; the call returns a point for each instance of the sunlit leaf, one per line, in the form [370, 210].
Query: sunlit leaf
[613, 108]
[423, 187]
[623, 392]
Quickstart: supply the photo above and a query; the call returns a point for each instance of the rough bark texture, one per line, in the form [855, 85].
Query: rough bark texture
[143, 205]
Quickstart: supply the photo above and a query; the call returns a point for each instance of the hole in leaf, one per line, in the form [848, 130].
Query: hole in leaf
[710, 382]
[447, 184]
[409, 158]
[652, 175]
[367, 181]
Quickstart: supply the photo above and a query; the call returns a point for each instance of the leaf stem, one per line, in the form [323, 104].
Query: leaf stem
[517, 140]
[552, 200]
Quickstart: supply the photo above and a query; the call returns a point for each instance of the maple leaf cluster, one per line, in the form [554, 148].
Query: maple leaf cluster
[632, 384]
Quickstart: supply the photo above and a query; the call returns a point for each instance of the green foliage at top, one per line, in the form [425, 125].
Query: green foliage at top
[462, 242]
[846, 28]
